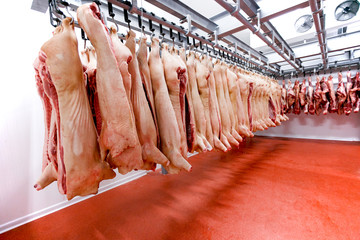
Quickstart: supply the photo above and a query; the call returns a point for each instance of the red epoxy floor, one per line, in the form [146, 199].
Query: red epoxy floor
[270, 188]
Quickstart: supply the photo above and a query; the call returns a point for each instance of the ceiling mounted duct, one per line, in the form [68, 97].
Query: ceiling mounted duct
[346, 10]
[304, 23]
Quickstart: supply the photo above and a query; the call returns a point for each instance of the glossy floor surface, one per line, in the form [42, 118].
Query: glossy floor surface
[269, 188]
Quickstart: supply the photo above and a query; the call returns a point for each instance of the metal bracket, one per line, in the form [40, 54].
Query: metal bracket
[258, 20]
[216, 36]
[237, 8]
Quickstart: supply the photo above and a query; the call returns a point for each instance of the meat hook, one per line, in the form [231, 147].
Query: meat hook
[112, 15]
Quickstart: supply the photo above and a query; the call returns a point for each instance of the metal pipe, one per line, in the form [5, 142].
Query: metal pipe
[319, 29]
[244, 21]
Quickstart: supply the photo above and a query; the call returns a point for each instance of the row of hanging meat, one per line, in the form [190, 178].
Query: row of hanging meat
[114, 108]
[324, 98]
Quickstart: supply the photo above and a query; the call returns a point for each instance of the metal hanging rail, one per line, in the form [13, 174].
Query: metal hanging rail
[180, 10]
[163, 28]
[132, 8]
[235, 12]
[335, 66]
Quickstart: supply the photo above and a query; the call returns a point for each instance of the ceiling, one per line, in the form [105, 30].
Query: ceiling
[291, 51]
[303, 44]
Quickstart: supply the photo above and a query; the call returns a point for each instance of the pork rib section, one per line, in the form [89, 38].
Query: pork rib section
[80, 168]
[119, 143]
[88, 57]
[168, 127]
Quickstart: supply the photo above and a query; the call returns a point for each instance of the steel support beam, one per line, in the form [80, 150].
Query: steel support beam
[180, 10]
[244, 21]
[147, 15]
[267, 27]
[228, 31]
[339, 65]
[319, 21]
[265, 17]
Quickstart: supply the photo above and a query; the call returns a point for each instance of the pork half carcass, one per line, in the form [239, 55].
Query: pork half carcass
[340, 94]
[189, 110]
[214, 112]
[145, 123]
[297, 97]
[236, 101]
[199, 114]
[330, 84]
[353, 90]
[347, 104]
[170, 138]
[317, 96]
[243, 116]
[224, 112]
[123, 57]
[284, 97]
[119, 143]
[290, 96]
[228, 74]
[324, 95]
[356, 90]
[302, 94]
[310, 98]
[79, 168]
[324, 89]
[142, 58]
[202, 77]
[176, 79]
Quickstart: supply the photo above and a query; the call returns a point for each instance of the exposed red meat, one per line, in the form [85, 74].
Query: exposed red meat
[317, 96]
[88, 57]
[340, 94]
[324, 90]
[333, 104]
[347, 104]
[290, 96]
[353, 90]
[297, 99]
[302, 94]
[284, 101]
[310, 98]
[189, 111]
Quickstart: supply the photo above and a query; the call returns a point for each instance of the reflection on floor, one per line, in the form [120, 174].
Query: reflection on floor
[269, 188]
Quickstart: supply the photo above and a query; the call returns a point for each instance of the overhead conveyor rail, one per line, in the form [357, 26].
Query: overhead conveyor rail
[277, 43]
[172, 32]
[216, 32]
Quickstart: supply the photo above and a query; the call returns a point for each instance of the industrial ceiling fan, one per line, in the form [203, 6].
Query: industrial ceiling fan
[304, 23]
[346, 10]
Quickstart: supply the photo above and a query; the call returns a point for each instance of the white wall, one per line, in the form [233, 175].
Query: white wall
[330, 127]
[21, 120]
